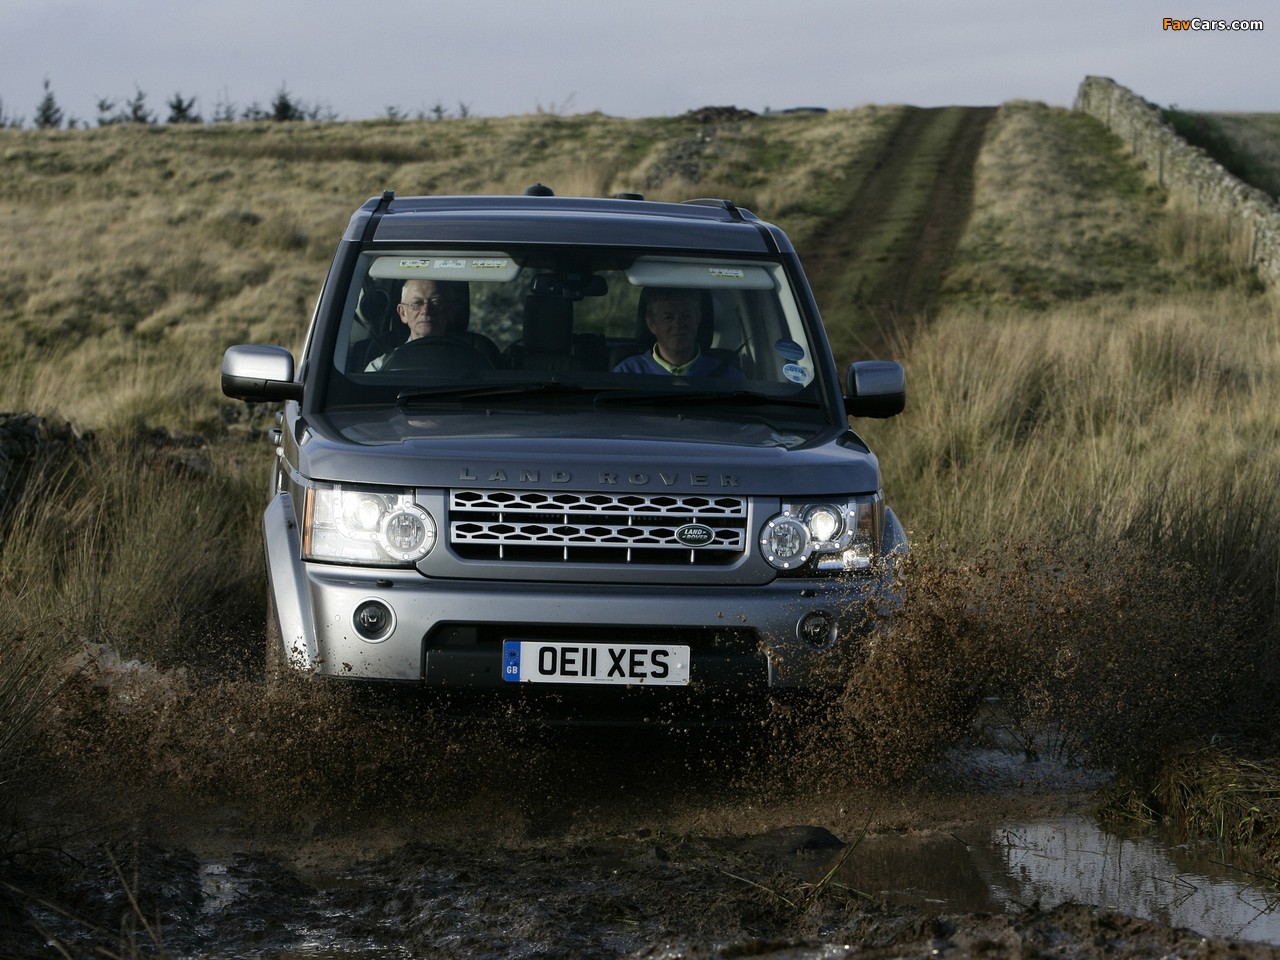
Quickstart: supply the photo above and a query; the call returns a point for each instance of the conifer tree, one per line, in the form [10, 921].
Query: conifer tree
[183, 110]
[48, 114]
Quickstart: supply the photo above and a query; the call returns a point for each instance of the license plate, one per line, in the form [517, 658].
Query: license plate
[539, 661]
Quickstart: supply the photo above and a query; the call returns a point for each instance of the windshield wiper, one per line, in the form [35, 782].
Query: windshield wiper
[555, 389]
[491, 391]
[735, 397]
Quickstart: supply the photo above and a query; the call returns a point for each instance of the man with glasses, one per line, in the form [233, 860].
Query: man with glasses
[429, 308]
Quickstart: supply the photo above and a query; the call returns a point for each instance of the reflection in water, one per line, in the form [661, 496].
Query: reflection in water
[1072, 859]
[1065, 860]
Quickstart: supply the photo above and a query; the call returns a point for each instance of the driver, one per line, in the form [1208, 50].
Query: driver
[429, 308]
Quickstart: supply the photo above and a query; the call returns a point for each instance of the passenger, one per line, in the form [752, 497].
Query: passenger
[429, 308]
[673, 317]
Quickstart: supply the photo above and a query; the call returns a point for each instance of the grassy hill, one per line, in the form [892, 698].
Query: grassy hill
[1086, 463]
[1247, 144]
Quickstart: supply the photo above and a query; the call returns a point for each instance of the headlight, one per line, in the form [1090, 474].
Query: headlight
[351, 525]
[824, 520]
[827, 536]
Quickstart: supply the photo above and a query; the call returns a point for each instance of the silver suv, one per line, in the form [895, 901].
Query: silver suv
[592, 455]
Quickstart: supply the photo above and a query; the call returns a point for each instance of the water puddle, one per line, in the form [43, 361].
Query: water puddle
[616, 896]
[1066, 860]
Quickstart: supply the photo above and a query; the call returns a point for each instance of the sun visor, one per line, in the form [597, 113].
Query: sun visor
[700, 275]
[491, 268]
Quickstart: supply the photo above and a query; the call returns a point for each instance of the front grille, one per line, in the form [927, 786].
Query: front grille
[565, 527]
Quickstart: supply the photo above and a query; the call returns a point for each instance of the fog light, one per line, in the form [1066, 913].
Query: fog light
[373, 620]
[785, 543]
[817, 629]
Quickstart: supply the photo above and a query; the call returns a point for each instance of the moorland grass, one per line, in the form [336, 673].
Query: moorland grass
[1112, 439]
[144, 545]
[1098, 386]
[1059, 215]
[1114, 414]
[143, 551]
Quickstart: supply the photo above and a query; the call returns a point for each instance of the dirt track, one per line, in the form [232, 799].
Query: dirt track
[881, 258]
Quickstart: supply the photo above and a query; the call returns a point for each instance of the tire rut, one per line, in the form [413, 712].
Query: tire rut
[880, 261]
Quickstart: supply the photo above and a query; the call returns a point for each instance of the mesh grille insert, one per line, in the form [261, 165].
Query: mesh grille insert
[541, 526]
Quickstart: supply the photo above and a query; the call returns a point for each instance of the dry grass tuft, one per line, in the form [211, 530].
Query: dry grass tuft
[1140, 434]
[141, 546]
[1091, 412]
[1213, 792]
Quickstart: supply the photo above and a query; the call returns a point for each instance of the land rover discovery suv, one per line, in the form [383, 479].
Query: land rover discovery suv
[585, 452]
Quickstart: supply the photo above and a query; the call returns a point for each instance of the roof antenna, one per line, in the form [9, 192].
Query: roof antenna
[539, 190]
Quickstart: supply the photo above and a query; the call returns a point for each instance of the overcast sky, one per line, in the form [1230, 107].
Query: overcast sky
[634, 58]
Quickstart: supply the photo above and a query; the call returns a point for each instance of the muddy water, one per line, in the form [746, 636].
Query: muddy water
[1008, 866]
[237, 820]
[666, 868]
[1183, 885]
[975, 869]
[639, 894]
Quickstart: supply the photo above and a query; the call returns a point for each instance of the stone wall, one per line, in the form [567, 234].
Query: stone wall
[1187, 171]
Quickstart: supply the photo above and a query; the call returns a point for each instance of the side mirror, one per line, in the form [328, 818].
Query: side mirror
[875, 388]
[259, 373]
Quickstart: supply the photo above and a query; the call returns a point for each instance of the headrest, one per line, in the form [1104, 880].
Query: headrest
[373, 306]
[548, 325]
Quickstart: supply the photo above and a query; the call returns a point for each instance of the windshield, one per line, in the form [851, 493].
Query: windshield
[567, 325]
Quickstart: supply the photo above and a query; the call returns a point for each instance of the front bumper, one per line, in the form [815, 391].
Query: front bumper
[449, 634]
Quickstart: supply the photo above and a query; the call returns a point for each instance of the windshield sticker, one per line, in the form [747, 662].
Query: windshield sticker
[489, 264]
[451, 264]
[789, 349]
[796, 373]
[415, 264]
[727, 273]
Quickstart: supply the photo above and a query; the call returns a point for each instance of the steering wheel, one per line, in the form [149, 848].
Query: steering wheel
[437, 355]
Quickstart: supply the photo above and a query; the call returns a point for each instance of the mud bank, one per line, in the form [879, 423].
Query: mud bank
[643, 894]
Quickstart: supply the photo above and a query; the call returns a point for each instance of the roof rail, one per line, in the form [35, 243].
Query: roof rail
[727, 205]
[379, 209]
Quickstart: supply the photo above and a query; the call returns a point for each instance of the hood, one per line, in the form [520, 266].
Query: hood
[583, 452]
